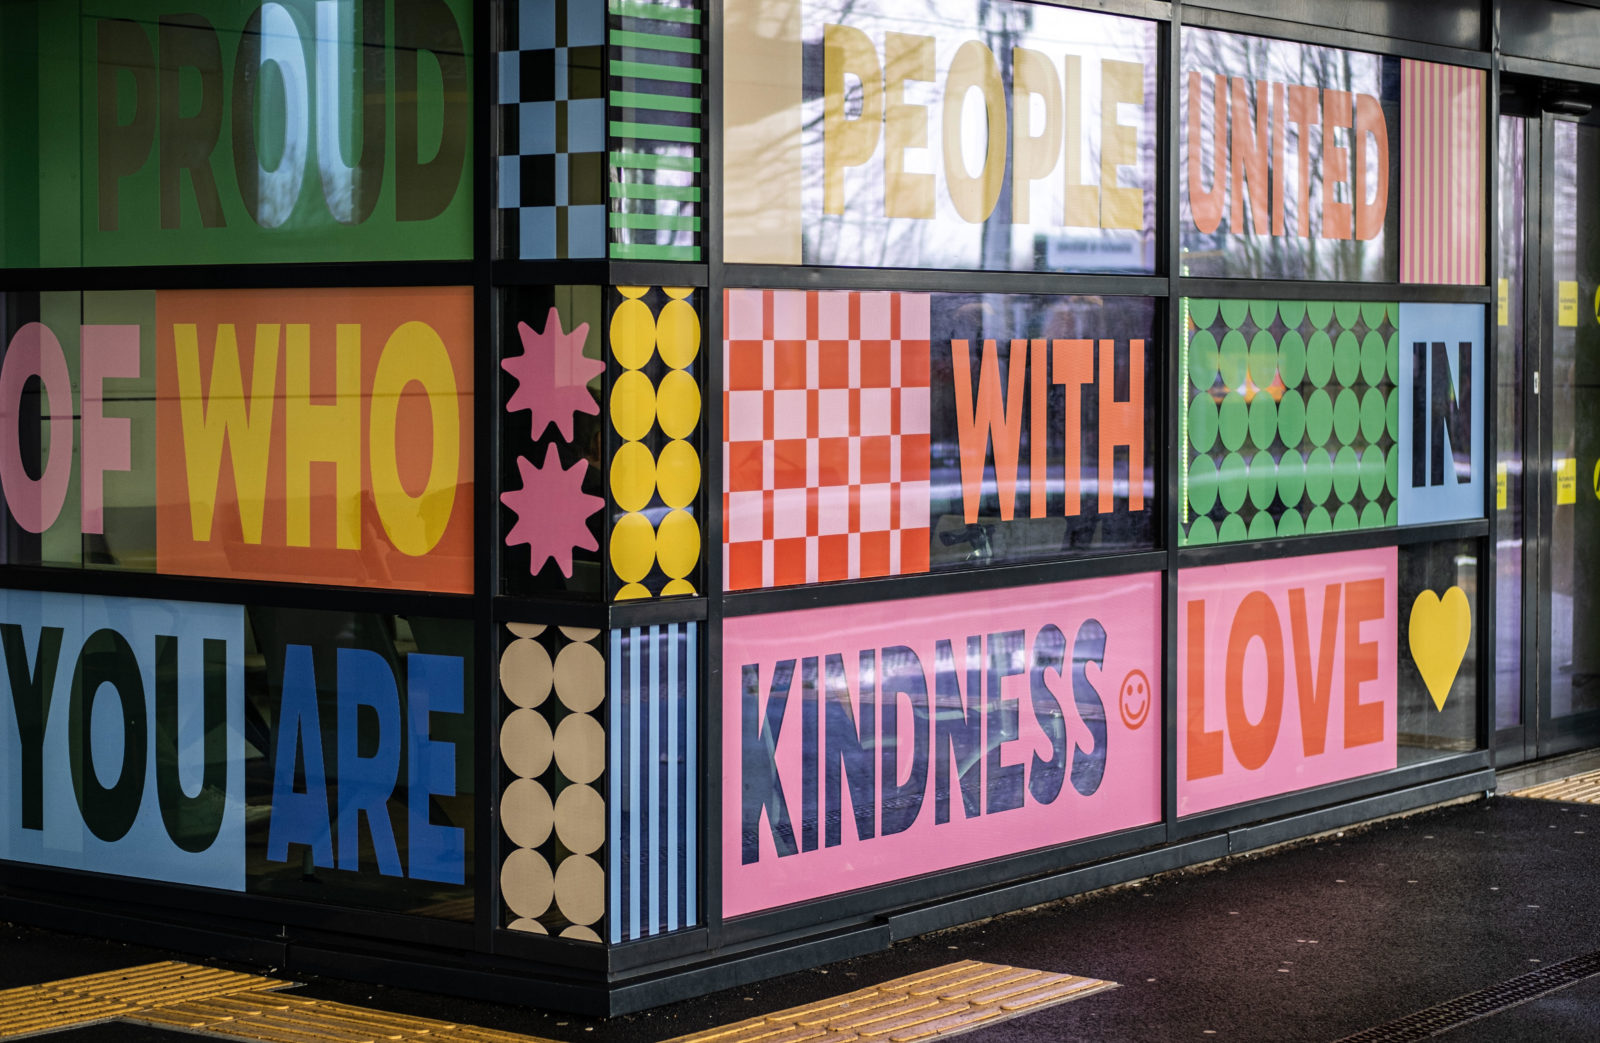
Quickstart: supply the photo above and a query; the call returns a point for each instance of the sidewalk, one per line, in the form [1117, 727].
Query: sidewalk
[1315, 941]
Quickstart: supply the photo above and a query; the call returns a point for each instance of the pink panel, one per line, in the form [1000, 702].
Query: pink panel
[871, 743]
[1443, 202]
[1286, 675]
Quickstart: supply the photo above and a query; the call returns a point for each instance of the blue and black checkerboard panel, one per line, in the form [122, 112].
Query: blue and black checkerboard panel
[552, 111]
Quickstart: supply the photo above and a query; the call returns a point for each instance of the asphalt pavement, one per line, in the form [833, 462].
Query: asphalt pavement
[1315, 941]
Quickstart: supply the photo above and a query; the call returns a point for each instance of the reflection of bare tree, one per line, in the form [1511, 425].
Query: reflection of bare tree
[1258, 61]
[863, 236]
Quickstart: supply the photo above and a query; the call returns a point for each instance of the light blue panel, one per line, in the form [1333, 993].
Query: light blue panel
[1428, 392]
[658, 716]
[537, 232]
[586, 23]
[536, 24]
[586, 126]
[510, 181]
[690, 798]
[673, 720]
[563, 180]
[586, 231]
[636, 652]
[135, 839]
[614, 788]
[510, 77]
[536, 128]
[561, 74]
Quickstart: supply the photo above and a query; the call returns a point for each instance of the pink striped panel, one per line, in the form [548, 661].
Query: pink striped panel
[1442, 180]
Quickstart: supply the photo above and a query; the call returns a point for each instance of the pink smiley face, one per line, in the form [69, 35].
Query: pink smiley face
[1135, 698]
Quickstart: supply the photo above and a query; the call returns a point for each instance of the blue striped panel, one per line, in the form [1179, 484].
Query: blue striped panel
[654, 850]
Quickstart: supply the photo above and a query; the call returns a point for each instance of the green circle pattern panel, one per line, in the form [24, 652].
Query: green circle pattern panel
[1290, 419]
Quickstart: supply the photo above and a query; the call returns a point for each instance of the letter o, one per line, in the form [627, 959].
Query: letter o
[1257, 618]
[974, 197]
[107, 658]
[35, 351]
[414, 353]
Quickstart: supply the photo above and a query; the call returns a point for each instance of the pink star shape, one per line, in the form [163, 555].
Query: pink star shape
[553, 376]
[552, 512]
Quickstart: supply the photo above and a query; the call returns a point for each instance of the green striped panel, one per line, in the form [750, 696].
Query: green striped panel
[653, 252]
[651, 161]
[638, 190]
[655, 41]
[654, 132]
[656, 221]
[660, 12]
[652, 71]
[658, 102]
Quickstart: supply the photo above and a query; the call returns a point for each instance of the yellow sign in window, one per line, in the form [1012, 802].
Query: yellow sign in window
[1501, 480]
[1566, 481]
[1566, 304]
[1505, 302]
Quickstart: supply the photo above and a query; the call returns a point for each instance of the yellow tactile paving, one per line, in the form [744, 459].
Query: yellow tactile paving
[923, 1006]
[246, 1007]
[1576, 789]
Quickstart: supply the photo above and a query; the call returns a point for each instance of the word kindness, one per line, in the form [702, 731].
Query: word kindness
[906, 722]
[1249, 176]
[1046, 141]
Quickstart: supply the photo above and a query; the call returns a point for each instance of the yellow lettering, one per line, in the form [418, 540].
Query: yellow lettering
[847, 142]
[323, 434]
[1082, 200]
[415, 354]
[975, 197]
[1119, 144]
[906, 58]
[220, 415]
[1033, 156]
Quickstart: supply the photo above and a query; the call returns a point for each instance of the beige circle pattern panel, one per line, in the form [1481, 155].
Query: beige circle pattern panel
[655, 558]
[553, 808]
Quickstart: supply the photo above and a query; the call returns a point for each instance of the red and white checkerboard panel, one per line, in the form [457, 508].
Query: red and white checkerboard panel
[825, 421]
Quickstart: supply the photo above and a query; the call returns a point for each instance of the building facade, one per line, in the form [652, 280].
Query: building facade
[931, 458]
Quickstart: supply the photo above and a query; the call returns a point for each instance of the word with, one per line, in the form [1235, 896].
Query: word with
[1059, 139]
[187, 48]
[35, 353]
[971, 732]
[364, 786]
[1245, 150]
[1257, 620]
[987, 419]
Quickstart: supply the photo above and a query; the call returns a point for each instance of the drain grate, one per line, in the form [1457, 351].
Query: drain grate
[1507, 994]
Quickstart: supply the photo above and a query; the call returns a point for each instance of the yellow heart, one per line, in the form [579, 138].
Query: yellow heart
[1441, 630]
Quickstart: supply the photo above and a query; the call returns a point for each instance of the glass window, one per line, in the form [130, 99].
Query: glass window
[280, 132]
[982, 134]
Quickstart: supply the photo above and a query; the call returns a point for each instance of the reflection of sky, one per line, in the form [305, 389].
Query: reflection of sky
[1281, 61]
[279, 187]
[862, 236]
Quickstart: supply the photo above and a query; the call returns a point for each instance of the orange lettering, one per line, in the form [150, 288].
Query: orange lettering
[975, 423]
[1204, 748]
[1256, 619]
[1073, 367]
[1206, 205]
[1363, 722]
[1249, 145]
[1314, 688]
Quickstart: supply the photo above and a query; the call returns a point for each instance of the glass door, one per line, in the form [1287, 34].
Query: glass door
[1568, 596]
